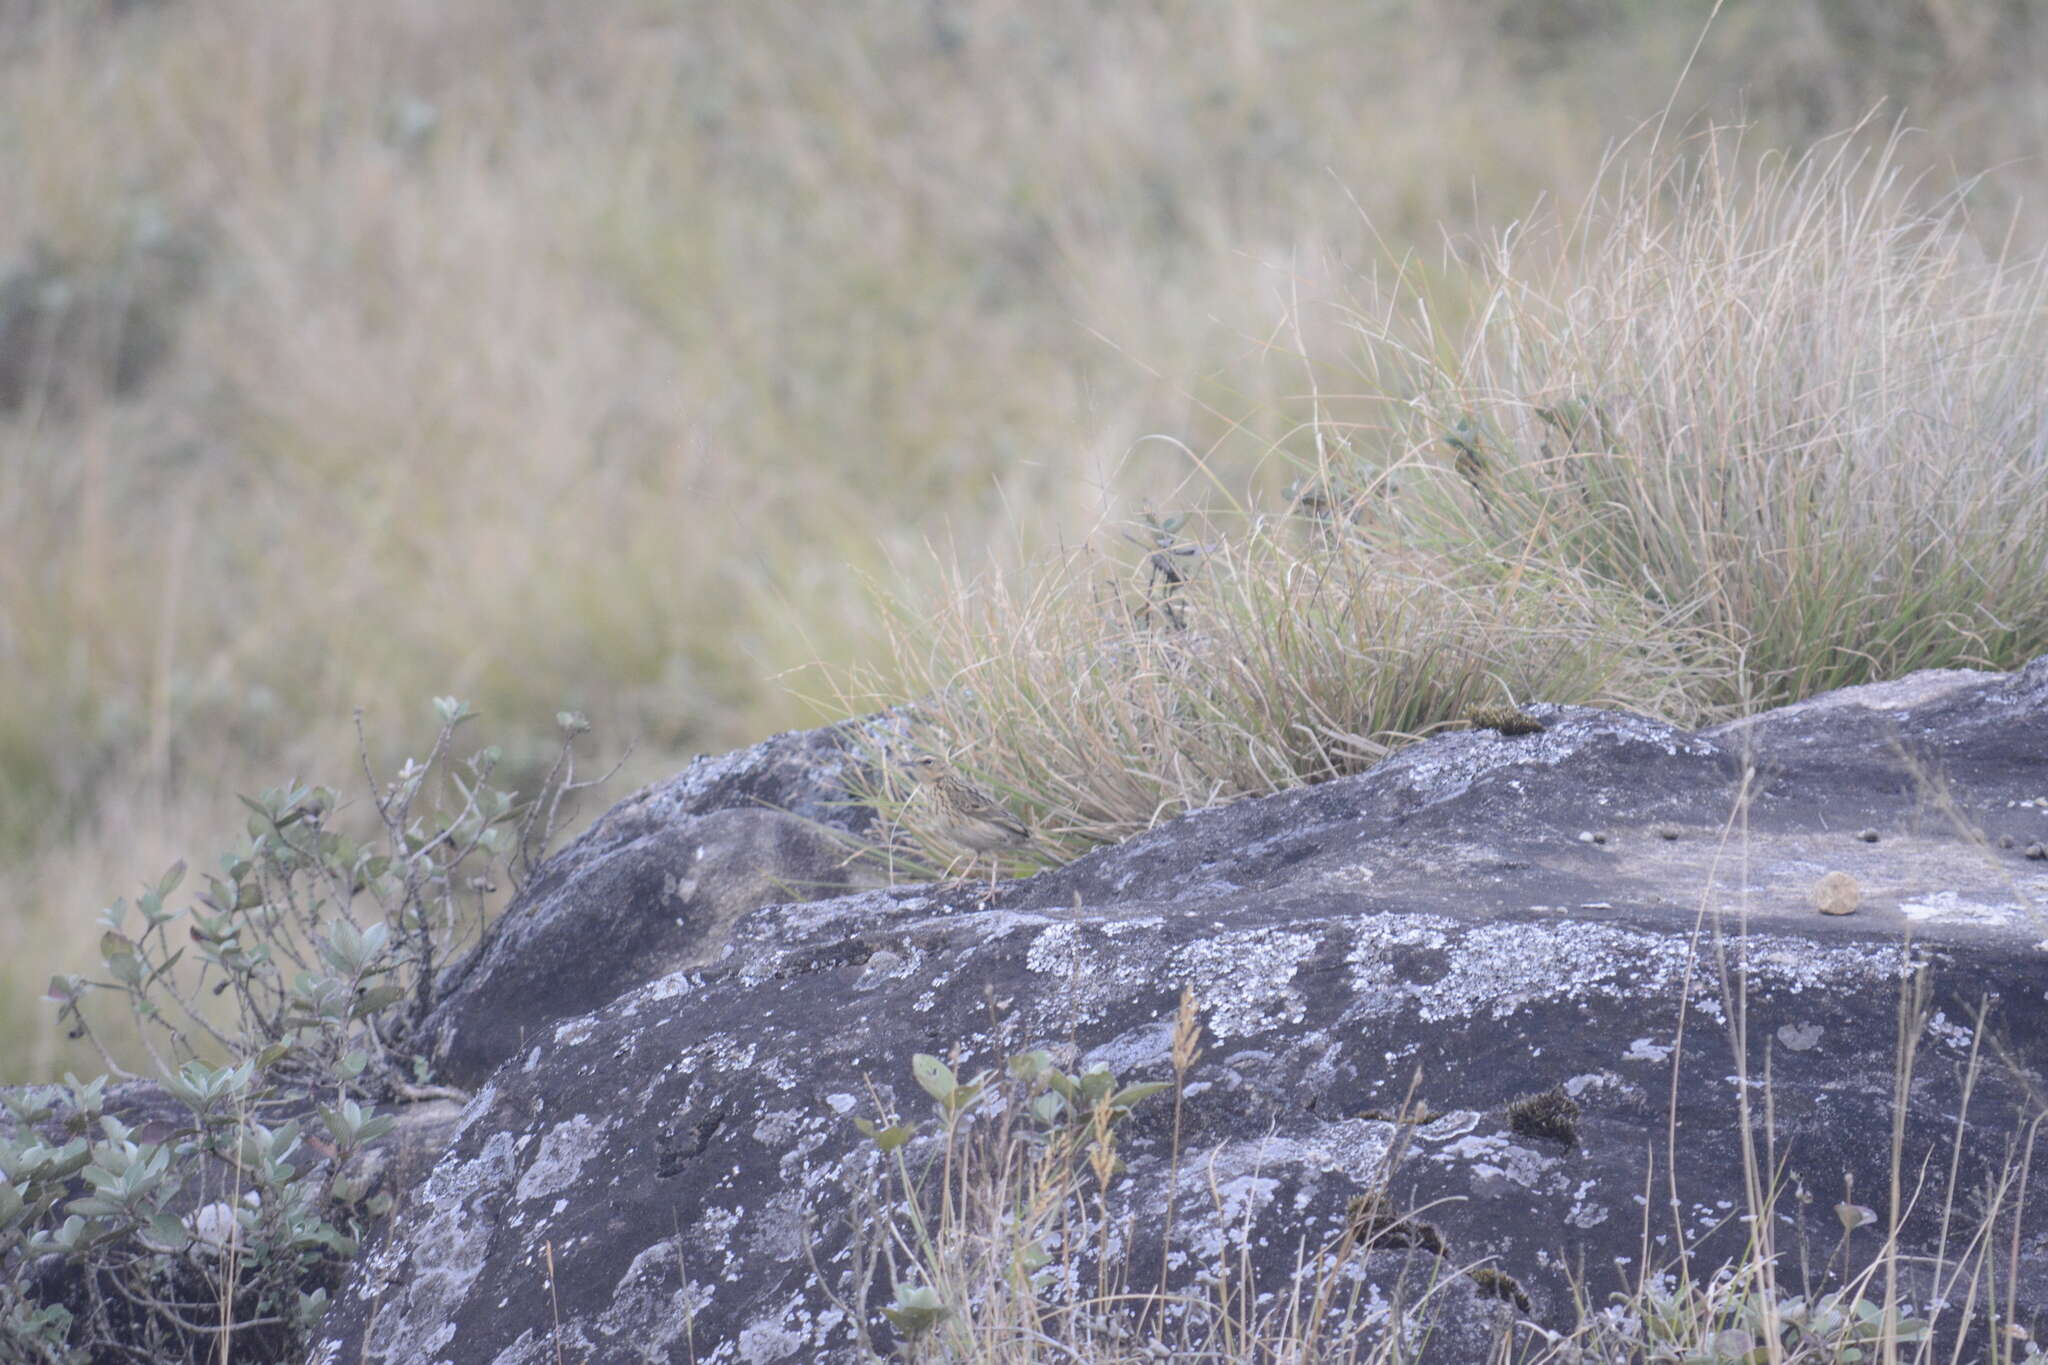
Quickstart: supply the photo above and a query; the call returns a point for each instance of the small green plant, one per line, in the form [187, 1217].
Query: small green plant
[993, 1229]
[1170, 562]
[1733, 1319]
[324, 942]
[1040, 1140]
[277, 1009]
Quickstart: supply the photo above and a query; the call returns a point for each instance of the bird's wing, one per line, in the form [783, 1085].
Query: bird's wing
[981, 806]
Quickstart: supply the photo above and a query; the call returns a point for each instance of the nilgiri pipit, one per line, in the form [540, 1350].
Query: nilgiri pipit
[964, 814]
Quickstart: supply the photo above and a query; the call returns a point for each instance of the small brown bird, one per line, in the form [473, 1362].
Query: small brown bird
[1471, 462]
[964, 814]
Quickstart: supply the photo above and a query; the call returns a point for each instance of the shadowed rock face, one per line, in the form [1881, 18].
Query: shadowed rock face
[654, 886]
[1612, 909]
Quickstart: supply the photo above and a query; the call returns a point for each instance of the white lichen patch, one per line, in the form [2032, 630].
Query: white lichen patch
[712, 1236]
[778, 1071]
[671, 987]
[1355, 1151]
[763, 1342]
[1490, 1155]
[1350, 875]
[654, 1302]
[577, 1031]
[1148, 1045]
[1586, 1213]
[1956, 1036]
[1497, 969]
[1445, 1127]
[1800, 1037]
[776, 1230]
[777, 1128]
[993, 926]
[1952, 907]
[481, 1105]
[1447, 767]
[559, 1162]
[729, 1054]
[796, 1160]
[1081, 982]
[1594, 1083]
[1243, 979]
[1053, 952]
[1239, 1201]
[1492, 970]
[443, 1257]
[454, 1182]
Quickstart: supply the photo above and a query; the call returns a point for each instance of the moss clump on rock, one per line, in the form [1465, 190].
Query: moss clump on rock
[1372, 1222]
[1508, 720]
[1498, 1284]
[1550, 1114]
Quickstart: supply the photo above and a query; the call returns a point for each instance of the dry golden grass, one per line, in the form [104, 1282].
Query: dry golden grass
[1792, 401]
[1731, 433]
[1100, 701]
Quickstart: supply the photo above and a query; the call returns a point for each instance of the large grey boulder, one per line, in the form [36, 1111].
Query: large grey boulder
[1612, 912]
[656, 885]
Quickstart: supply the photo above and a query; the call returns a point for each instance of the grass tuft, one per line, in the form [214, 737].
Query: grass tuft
[1102, 704]
[1786, 399]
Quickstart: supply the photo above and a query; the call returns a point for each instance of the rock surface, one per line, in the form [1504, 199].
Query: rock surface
[656, 885]
[1611, 912]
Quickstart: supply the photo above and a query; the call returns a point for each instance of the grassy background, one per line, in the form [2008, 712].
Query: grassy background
[607, 356]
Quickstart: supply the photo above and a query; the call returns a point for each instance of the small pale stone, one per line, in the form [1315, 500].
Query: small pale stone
[1800, 1037]
[1585, 836]
[1837, 894]
[2036, 851]
[1665, 831]
[2005, 841]
[1868, 836]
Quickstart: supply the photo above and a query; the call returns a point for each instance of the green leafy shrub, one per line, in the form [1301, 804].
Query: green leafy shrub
[1733, 1320]
[226, 1227]
[278, 1010]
